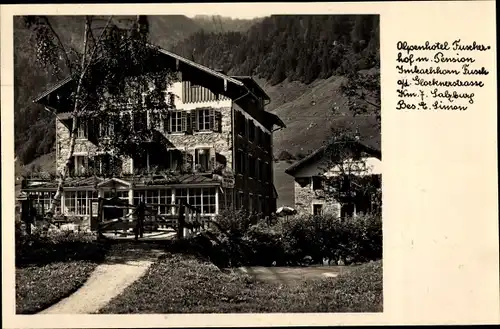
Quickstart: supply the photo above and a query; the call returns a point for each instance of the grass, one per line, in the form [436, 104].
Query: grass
[40, 286]
[184, 284]
[50, 268]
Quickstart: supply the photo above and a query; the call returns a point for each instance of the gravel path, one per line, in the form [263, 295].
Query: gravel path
[122, 268]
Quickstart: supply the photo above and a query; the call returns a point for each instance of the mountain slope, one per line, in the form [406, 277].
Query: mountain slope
[310, 111]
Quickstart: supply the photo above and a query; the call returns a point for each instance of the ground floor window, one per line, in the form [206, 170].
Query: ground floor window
[317, 209]
[203, 199]
[347, 210]
[42, 201]
[157, 196]
[77, 203]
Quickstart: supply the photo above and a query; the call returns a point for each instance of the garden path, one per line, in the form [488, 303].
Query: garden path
[123, 266]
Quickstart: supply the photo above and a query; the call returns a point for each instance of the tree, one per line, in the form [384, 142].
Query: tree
[346, 176]
[352, 180]
[115, 78]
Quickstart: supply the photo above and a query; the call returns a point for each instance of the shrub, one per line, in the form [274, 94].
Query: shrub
[264, 246]
[233, 224]
[236, 240]
[357, 239]
[57, 246]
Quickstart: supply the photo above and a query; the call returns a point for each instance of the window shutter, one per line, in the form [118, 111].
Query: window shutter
[211, 161]
[189, 122]
[194, 120]
[211, 118]
[184, 121]
[217, 122]
[167, 123]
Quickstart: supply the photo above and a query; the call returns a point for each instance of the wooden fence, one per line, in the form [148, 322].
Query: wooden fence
[186, 220]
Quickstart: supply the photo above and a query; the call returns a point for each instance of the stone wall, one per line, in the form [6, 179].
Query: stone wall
[221, 142]
[305, 197]
[82, 147]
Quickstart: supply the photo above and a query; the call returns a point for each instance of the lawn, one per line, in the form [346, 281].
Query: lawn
[50, 268]
[184, 284]
[40, 286]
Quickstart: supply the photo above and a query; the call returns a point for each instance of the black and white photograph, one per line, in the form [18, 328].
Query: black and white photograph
[197, 164]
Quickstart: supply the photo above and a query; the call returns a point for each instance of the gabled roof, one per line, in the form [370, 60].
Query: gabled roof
[320, 152]
[239, 82]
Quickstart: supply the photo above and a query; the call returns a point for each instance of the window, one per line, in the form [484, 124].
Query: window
[106, 164]
[264, 171]
[347, 210]
[317, 209]
[317, 183]
[203, 199]
[251, 168]
[80, 164]
[83, 129]
[257, 169]
[42, 200]
[250, 202]
[241, 122]
[259, 204]
[180, 195]
[165, 198]
[77, 203]
[140, 120]
[240, 162]
[140, 160]
[157, 196]
[251, 131]
[70, 203]
[106, 129]
[202, 159]
[208, 200]
[240, 200]
[205, 119]
[176, 122]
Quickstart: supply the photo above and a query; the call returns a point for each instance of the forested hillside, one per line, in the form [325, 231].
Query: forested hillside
[302, 48]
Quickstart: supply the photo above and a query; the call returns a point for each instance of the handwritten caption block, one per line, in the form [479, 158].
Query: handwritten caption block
[439, 76]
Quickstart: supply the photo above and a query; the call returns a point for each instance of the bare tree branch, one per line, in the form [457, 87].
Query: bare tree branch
[61, 45]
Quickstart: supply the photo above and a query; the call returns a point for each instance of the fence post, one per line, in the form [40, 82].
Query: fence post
[100, 217]
[140, 219]
[181, 220]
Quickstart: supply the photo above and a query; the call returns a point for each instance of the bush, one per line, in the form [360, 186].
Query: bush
[57, 246]
[236, 240]
[264, 246]
[352, 240]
